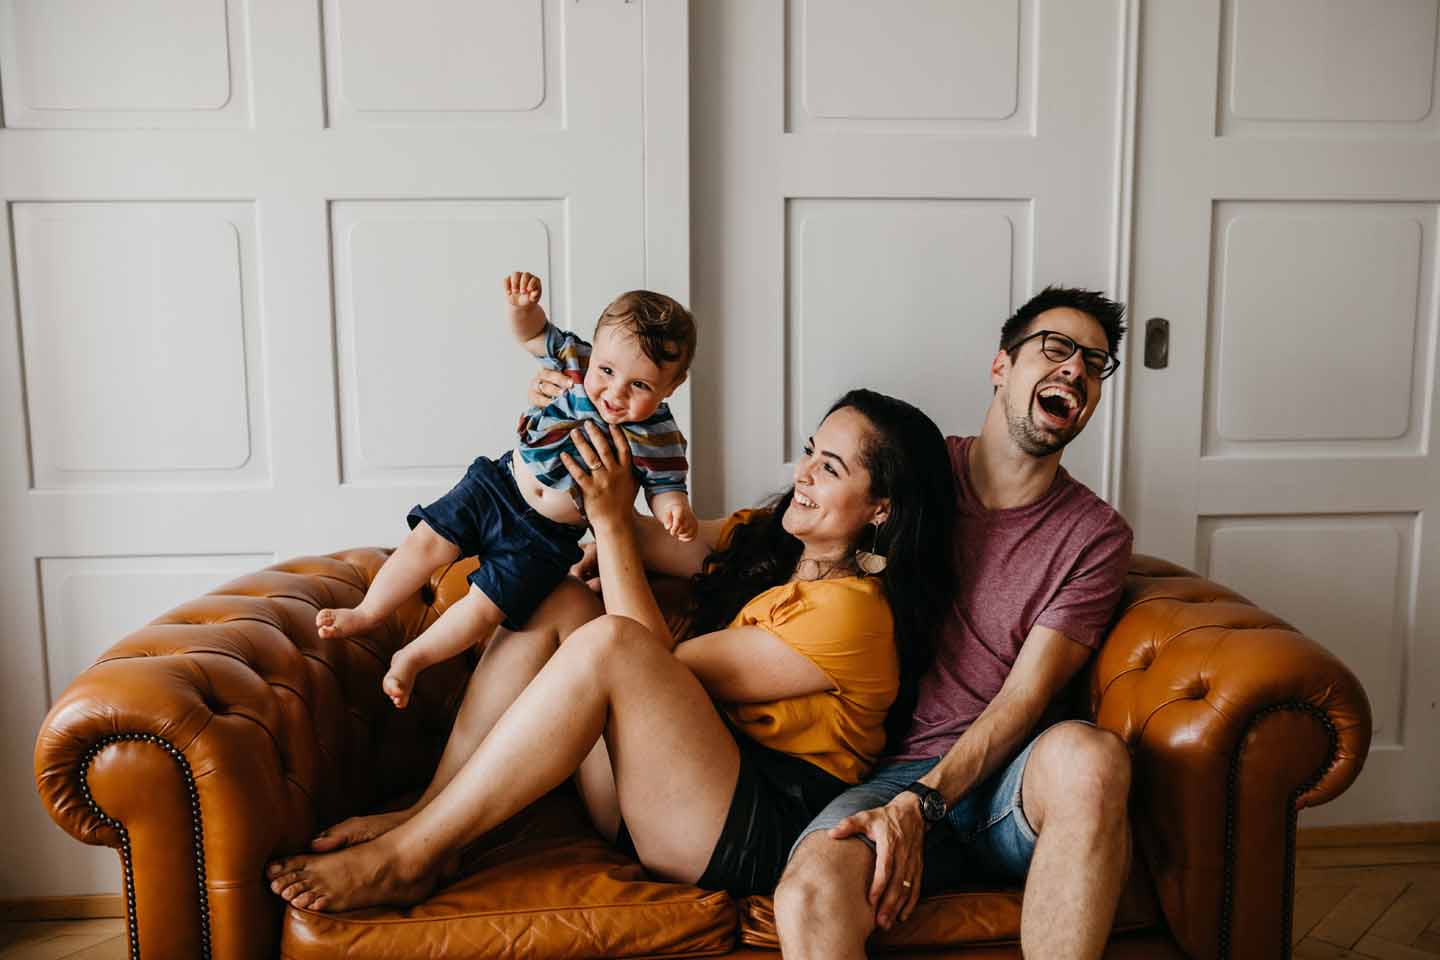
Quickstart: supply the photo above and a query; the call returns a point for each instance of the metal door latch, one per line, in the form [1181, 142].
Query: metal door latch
[1157, 343]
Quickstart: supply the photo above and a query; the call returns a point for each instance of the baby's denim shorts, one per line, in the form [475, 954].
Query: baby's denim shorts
[523, 554]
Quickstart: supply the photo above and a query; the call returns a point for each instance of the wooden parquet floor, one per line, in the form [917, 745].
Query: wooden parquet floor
[1369, 902]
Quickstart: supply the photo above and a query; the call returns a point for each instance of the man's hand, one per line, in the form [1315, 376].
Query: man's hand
[546, 385]
[522, 289]
[898, 832]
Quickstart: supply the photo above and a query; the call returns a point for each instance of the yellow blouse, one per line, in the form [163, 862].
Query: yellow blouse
[843, 626]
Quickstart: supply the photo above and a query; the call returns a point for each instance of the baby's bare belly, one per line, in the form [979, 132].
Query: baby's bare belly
[554, 504]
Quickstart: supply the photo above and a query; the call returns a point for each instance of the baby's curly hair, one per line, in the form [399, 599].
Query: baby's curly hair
[665, 329]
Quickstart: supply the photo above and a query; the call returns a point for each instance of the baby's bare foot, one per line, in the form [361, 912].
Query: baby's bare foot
[399, 679]
[355, 830]
[340, 624]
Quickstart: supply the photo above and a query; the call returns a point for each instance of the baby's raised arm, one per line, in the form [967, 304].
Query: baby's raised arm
[527, 317]
[663, 553]
[672, 509]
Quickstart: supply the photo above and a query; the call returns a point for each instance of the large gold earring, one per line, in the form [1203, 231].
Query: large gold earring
[869, 561]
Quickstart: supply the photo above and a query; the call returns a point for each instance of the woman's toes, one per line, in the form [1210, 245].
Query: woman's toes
[295, 890]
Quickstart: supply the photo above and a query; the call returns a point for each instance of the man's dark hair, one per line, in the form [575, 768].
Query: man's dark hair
[1109, 314]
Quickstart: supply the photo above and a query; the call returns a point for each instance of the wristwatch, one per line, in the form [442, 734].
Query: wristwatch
[932, 801]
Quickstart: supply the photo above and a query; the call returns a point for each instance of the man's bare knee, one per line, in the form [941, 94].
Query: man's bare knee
[824, 875]
[1082, 771]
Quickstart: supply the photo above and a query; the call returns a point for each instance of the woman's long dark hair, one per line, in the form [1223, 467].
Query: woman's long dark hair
[909, 463]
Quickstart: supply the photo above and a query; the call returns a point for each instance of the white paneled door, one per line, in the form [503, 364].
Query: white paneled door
[1288, 182]
[878, 186]
[254, 310]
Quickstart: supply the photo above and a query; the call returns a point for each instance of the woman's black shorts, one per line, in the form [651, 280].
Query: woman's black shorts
[776, 796]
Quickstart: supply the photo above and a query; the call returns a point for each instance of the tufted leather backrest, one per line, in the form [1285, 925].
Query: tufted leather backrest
[248, 653]
[1185, 650]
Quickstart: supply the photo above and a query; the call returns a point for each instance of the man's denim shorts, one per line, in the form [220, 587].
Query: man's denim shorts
[985, 833]
[523, 554]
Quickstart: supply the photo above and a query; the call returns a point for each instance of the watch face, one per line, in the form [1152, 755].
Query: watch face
[932, 805]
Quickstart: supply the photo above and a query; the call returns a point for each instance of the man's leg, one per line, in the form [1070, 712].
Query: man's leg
[822, 905]
[1075, 791]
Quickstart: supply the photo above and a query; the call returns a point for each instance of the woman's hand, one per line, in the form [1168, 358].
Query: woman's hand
[609, 486]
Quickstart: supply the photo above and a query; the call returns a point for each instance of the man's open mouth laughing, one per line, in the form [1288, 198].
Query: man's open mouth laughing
[1059, 405]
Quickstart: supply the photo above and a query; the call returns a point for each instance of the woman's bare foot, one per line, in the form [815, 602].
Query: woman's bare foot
[356, 830]
[366, 875]
[401, 677]
[340, 624]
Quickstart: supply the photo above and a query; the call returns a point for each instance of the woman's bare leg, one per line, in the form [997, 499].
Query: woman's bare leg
[675, 768]
[403, 572]
[506, 668]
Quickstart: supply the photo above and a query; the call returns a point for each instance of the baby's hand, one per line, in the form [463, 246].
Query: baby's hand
[679, 521]
[522, 289]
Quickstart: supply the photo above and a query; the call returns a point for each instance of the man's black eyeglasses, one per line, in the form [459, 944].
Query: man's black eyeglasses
[1058, 348]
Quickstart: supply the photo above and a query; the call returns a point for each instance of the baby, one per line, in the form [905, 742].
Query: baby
[521, 514]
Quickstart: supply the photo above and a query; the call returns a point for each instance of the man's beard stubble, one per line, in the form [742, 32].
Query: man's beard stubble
[1031, 439]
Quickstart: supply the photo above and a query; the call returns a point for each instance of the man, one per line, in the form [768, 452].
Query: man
[972, 789]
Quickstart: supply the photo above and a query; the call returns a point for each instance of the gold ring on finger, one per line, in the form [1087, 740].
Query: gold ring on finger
[906, 884]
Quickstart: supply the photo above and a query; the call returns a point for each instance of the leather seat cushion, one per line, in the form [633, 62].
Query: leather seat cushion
[543, 884]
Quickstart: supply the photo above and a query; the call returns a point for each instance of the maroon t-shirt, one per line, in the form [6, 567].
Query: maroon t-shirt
[1059, 562]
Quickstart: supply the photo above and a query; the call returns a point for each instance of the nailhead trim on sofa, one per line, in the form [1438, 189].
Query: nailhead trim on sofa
[1228, 903]
[185, 772]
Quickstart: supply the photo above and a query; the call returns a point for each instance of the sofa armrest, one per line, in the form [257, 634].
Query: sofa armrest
[1235, 722]
[212, 739]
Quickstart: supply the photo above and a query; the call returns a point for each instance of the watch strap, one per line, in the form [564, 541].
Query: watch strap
[932, 803]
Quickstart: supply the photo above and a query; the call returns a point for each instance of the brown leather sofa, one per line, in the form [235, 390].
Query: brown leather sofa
[226, 732]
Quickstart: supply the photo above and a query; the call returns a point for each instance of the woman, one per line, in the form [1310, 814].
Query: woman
[799, 644]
